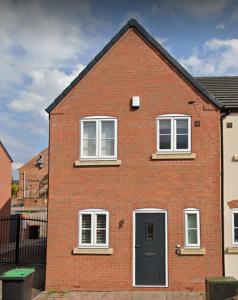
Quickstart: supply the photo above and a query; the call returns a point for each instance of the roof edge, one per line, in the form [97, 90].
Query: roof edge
[33, 157]
[132, 23]
[5, 150]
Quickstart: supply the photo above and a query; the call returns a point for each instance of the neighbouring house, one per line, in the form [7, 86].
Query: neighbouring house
[225, 89]
[33, 186]
[134, 174]
[5, 180]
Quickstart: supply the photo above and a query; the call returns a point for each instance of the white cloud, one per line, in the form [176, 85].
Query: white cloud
[45, 86]
[13, 142]
[16, 166]
[198, 9]
[220, 26]
[43, 44]
[217, 57]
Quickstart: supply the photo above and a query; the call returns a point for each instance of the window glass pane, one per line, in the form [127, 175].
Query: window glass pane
[182, 142]
[236, 235]
[101, 236]
[86, 221]
[164, 142]
[165, 126]
[192, 220]
[182, 126]
[89, 130]
[107, 147]
[101, 221]
[107, 129]
[149, 230]
[89, 147]
[235, 219]
[86, 236]
[192, 236]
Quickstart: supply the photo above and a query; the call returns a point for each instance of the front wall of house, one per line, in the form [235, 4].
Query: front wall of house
[132, 68]
[230, 130]
[5, 183]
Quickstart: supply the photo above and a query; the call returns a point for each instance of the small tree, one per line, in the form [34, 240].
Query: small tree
[14, 189]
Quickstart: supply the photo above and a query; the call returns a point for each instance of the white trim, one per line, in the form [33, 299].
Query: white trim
[98, 121]
[93, 213]
[97, 117]
[172, 115]
[150, 210]
[173, 139]
[197, 213]
[234, 211]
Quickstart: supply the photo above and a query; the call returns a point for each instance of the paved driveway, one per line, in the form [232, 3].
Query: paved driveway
[118, 296]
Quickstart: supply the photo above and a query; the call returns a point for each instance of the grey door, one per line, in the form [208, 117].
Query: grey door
[150, 260]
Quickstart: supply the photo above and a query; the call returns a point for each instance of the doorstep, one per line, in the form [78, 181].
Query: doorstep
[130, 295]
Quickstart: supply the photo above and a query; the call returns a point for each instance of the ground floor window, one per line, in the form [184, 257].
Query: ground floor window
[192, 228]
[93, 228]
[235, 227]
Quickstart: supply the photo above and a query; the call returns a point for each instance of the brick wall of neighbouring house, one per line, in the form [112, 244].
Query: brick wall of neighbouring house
[5, 182]
[36, 179]
[130, 68]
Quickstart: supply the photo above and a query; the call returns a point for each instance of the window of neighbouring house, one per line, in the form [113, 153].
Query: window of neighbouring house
[174, 133]
[93, 228]
[235, 227]
[192, 228]
[98, 138]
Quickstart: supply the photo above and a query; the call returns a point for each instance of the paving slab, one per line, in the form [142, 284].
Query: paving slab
[127, 295]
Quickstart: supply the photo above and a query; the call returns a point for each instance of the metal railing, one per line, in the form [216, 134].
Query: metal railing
[23, 240]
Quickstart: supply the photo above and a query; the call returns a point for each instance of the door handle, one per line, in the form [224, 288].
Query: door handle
[137, 246]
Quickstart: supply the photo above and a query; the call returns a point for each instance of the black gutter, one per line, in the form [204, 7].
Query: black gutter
[222, 190]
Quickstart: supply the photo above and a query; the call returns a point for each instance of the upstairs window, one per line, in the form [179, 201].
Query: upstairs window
[192, 228]
[174, 133]
[93, 228]
[98, 138]
[235, 227]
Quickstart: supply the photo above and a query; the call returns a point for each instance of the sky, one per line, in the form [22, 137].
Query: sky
[45, 44]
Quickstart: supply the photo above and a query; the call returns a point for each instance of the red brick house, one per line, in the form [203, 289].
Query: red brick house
[134, 164]
[33, 181]
[5, 180]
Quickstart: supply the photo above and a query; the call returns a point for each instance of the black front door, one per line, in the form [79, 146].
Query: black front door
[150, 266]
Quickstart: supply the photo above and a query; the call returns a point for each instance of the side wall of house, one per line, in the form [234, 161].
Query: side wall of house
[5, 182]
[230, 150]
[132, 68]
[34, 179]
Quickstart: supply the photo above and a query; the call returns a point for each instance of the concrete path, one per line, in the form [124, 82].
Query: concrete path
[118, 296]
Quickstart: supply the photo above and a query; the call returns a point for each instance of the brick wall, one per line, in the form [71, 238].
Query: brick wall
[5, 182]
[130, 68]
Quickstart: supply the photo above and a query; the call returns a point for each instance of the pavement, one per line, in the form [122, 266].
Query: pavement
[118, 296]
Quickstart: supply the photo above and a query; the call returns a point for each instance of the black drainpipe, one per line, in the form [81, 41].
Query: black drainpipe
[223, 116]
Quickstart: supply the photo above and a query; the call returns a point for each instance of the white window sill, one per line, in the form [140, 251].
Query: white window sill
[99, 163]
[92, 251]
[192, 251]
[232, 250]
[173, 156]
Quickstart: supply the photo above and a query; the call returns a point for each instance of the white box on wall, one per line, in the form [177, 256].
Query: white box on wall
[135, 103]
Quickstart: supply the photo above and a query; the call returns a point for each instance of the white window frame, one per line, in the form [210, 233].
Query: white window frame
[234, 211]
[173, 118]
[196, 212]
[98, 120]
[93, 213]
